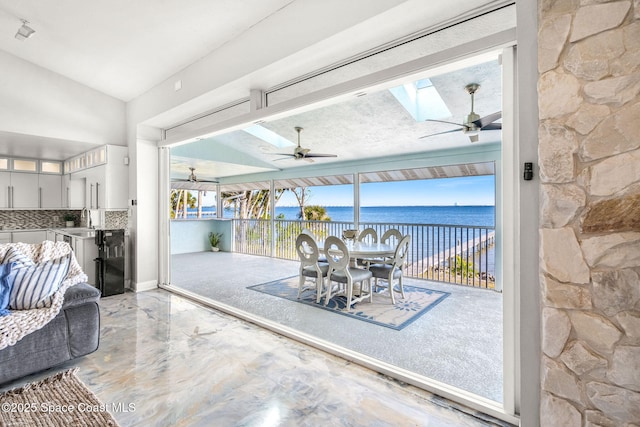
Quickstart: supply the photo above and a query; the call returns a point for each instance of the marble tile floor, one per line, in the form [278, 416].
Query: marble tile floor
[458, 342]
[182, 364]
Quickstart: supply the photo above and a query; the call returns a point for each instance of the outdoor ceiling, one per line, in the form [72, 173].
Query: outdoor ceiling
[375, 125]
[434, 172]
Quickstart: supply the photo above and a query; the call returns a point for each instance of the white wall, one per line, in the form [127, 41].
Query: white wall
[39, 102]
[144, 215]
[193, 235]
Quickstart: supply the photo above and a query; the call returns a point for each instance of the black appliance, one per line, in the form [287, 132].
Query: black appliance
[110, 262]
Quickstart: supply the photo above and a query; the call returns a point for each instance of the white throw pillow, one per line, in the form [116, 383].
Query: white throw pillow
[34, 285]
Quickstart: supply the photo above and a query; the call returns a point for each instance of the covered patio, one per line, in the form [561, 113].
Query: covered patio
[457, 343]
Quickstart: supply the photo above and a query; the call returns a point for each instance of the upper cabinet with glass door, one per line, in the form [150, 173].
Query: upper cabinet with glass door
[30, 183]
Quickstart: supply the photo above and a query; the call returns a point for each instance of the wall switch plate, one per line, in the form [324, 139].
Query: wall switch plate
[56, 218]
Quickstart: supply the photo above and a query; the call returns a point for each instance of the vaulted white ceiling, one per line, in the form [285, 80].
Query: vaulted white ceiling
[122, 47]
[126, 48]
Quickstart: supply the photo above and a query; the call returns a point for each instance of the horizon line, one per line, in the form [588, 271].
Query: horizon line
[382, 206]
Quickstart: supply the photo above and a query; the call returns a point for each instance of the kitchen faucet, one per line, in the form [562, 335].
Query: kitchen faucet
[85, 214]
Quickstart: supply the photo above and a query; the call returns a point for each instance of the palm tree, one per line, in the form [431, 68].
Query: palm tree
[180, 201]
[316, 213]
[250, 204]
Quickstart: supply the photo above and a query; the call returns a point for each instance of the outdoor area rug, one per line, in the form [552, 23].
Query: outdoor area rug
[381, 312]
[60, 400]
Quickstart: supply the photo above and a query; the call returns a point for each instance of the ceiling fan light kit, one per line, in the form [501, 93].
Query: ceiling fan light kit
[303, 153]
[473, 123]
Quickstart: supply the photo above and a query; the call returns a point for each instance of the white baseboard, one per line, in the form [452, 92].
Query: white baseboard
[144, 286]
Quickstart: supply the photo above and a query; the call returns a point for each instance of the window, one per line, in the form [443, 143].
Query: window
[25, 165]
[50, 167]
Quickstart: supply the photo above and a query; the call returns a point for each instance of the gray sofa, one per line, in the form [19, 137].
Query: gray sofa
[74, 332]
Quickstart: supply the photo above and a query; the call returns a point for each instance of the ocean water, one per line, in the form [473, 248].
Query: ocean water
[483, 216]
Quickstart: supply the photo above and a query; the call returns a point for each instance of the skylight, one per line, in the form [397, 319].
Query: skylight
[268, 136]
[421, 100]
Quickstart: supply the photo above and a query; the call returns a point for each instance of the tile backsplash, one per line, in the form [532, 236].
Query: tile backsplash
[54, 218]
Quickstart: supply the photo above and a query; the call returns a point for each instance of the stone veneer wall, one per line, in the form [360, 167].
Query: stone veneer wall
[589, 154]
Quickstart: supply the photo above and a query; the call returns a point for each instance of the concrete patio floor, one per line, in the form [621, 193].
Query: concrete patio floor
[459, 342]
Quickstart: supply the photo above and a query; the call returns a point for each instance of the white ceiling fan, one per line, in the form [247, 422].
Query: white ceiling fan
[473, 123]
[303, 153]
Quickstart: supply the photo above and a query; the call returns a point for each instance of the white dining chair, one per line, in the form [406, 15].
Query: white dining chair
[391, 237]
[310, 267]
[369, 235]
[345, 276]
[390, 273]
[321, 258]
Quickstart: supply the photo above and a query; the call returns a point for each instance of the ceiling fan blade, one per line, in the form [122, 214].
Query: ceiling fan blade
[319, 155]
[473, 138]
[444, 121]
[208, 180]
[484, 121]
[283, 154]
[492, 126]
[440, 133]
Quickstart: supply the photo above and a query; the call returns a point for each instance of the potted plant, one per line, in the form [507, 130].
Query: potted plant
[214, 241]
[69, 219]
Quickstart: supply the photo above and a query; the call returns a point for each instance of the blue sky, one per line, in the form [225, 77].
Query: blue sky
[476, 190]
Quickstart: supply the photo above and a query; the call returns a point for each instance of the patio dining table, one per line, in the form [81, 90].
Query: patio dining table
[363, 250]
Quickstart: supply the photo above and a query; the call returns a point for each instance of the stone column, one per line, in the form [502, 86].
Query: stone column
[589, 154]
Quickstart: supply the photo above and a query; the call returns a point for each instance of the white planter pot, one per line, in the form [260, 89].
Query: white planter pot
[69, 223]
[214, 249]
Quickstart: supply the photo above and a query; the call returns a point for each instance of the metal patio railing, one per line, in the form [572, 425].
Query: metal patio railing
[457, 254]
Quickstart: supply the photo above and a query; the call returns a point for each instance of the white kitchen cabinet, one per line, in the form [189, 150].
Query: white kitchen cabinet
[24, 190]
[51, 235]
[50, 188]
[29, 236]
[86, 251]
[107, 185]
[73, 192]
[5, 189]
[30, 190]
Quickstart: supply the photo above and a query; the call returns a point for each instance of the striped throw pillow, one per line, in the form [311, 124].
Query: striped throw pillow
[34, 286]
[5, 288]
[18, 259]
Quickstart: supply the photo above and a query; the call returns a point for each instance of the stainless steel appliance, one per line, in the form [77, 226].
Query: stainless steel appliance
[110, 262]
